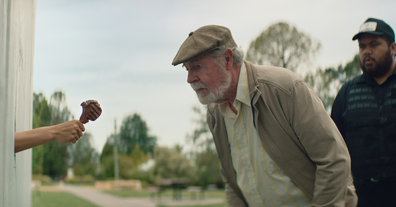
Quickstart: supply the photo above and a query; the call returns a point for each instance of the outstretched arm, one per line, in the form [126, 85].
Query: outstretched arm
[67, 132]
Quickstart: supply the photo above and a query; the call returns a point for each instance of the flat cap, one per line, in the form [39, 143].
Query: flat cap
[202, 40]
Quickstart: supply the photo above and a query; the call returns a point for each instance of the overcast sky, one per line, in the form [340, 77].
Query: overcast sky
[120, 52]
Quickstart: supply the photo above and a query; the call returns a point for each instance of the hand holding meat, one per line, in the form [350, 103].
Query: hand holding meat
[91, 111]
[67, 132]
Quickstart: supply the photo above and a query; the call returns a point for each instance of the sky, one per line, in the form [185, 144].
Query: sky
[119, 52]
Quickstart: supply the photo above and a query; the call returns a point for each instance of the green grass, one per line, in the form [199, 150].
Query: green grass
[166, 193]
[64, 199]
[214, 205]
[57, 199]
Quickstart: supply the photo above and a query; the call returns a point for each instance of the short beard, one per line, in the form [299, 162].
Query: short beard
[214, 96]
[381, 69]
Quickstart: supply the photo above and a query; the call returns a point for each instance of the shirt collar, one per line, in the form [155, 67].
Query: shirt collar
[242, 93]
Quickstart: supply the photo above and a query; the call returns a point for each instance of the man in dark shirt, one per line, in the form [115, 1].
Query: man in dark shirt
[365, 113]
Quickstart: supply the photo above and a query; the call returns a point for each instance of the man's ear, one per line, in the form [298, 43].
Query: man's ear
[393, 49]
[229, 58]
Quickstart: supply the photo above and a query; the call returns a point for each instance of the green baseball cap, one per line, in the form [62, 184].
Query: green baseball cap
[376, 27]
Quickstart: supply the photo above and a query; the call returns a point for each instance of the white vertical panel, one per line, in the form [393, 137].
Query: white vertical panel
[7, 112]
[17, 19]
[24, 13]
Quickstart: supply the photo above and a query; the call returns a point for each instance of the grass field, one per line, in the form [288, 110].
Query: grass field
[57, 199]
[166, 193]
[214, 205]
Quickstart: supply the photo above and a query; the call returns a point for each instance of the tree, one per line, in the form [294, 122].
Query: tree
[58, 107]
[134, 132]
[41, 111]
[128, 164]
[284, 46]
[203, 151]
[83, 157]
[208, 168]
[50, 159]
[138, 156]
[107, 158]
[327, 82]
[201, 137]
[41, 117]
[171, 164]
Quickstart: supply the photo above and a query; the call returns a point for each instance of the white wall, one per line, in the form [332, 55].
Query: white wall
[17, 20]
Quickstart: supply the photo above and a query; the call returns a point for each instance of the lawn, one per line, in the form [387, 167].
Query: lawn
[57, 199]
[214, 205]
[166, 193]
[63, 199]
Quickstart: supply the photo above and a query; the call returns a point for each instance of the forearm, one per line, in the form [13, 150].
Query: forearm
[32, 138]
[67, 132]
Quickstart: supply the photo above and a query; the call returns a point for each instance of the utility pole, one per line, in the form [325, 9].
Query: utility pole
[115, 149]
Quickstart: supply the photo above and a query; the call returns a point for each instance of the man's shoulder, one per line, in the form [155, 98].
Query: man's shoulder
[352, 81]
[345, 87]
[272, 73]
[274, 76]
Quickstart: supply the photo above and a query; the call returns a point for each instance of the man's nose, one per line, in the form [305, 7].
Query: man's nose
[191, 77]
[368, 51]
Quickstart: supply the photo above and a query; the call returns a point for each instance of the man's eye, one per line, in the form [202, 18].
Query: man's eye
[198, 66]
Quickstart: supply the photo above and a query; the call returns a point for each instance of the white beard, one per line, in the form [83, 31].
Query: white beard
[214, 95]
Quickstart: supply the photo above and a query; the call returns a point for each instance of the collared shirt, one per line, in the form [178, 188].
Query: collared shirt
[261, 180]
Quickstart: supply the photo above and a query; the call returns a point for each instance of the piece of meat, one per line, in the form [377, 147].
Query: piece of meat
[91, 111]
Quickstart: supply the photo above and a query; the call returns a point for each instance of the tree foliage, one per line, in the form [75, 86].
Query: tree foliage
[134, 132]
[284, 46]
[203, 151]
[327, 82]
[201, 137]
[169, 163]
[54, 158]
[83, 157]
[208, 168]
[128, 163]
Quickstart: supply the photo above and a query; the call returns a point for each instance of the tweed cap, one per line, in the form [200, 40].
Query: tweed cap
[202, 40]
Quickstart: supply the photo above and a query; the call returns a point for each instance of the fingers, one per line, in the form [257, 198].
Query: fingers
[80, 125]
[68, 132]
[79, 130]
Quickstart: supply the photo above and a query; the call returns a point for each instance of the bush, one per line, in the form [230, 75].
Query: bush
[43, 178]
[81, 179]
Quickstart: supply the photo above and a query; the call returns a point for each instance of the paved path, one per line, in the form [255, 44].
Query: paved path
[106, 200]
